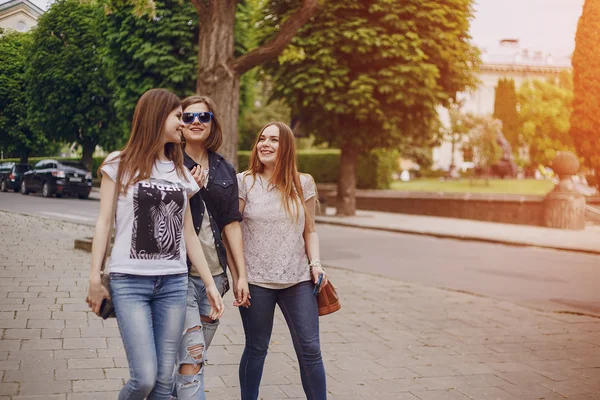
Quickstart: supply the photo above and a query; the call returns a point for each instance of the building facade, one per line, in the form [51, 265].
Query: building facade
[509, 61]
[19, 15]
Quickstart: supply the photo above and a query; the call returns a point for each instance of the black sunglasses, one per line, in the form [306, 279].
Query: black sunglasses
[189, 117]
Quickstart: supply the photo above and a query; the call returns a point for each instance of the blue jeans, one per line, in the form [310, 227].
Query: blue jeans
[194, 345]
[299, 307]
[151, 313]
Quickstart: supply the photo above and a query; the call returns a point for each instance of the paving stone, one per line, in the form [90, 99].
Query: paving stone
[42, 344]
[91, 363]
[79, 374]
[22, 334]
[97, 385]
[490, 393]
[45, 388]
[439, 395]
[84, 343]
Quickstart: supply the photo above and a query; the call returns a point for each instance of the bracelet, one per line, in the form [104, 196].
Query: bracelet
[315, 263]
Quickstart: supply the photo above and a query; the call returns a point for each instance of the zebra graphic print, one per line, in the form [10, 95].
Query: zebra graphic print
[158, 221]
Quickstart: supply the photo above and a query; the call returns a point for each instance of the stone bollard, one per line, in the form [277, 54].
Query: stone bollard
[564, 206]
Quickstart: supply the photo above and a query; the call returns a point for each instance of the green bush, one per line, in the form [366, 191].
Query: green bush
[323, 165]
[432, 173]
[375, 169]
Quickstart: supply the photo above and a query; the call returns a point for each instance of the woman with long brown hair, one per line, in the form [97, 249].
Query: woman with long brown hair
[281, 249]
[153, 233]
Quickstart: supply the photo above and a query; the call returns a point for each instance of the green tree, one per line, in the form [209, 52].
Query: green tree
[145, 53]
[366, 75]
[585, 119]
[483, 140]
[67, 86]
[456, 132]
[219, 70]
[505, 109]
[16, 136]
[545, 109]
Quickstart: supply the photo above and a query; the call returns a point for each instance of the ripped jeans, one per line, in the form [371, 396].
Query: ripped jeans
[194, 344]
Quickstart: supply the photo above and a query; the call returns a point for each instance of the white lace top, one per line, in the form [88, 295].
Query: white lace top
[274, 247]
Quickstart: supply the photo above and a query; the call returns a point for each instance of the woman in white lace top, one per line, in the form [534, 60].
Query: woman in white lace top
[278, 206]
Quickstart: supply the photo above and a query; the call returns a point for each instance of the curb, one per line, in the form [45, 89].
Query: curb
[468, 238]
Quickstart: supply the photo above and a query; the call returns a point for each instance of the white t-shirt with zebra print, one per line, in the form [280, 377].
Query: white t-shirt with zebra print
[149, 222]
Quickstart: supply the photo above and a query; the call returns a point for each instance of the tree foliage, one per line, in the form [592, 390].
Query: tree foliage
[16, 136]
[67, 86]
[367, 75]
[545, 109]
[157, 50]
[505, 109]
[483, 139]
[585, 119]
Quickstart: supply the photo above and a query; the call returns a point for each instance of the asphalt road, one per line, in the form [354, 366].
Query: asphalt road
[541, 278]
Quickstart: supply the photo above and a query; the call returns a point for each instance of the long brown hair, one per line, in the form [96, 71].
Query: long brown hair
[286, 177]
[137, 158]
[215, 138]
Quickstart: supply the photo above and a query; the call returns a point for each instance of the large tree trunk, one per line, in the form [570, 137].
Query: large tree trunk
[216, 79]
[346, 203]
[24, 158]
[88, 151]
[219, 72]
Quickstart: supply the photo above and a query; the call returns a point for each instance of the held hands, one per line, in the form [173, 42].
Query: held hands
[96, 294]
[241, 293]
[216, 302]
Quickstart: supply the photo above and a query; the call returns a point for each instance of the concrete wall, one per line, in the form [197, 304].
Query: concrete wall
[511, 209]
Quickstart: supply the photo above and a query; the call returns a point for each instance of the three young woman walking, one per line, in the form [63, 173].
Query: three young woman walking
[178, 230]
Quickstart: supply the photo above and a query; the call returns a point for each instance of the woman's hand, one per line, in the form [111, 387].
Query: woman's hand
[200, 175]
[241, 293]
[216, 302]
[96, 294]
[316, 271]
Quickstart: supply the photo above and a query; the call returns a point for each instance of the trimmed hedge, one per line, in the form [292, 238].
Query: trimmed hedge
[374, 170]
[323, 165]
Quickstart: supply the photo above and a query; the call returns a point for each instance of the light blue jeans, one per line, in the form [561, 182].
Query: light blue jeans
[151, 314]
[195, 344]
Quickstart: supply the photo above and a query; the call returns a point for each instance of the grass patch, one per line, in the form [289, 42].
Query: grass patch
[505, 186]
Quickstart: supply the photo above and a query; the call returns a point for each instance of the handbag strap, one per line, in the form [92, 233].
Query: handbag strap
[113, 216]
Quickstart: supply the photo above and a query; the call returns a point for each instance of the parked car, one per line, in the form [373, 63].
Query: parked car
[10, 175]
[59, 178]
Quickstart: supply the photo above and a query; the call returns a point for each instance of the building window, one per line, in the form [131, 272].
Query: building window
[21, 26]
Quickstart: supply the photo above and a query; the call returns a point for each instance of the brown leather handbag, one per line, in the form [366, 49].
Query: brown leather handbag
[328, 300]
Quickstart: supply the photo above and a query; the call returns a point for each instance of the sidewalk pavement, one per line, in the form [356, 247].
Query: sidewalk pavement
[390, 340]
[585, 241]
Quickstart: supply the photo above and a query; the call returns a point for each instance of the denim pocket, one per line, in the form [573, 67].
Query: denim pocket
[117, 276]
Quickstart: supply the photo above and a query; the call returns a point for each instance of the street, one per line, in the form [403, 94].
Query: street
[544, 279]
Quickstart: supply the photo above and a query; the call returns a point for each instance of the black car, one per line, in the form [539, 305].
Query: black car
[10, 175]
[58, 177]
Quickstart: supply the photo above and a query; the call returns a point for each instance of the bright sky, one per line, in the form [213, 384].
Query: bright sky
[547, 25]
